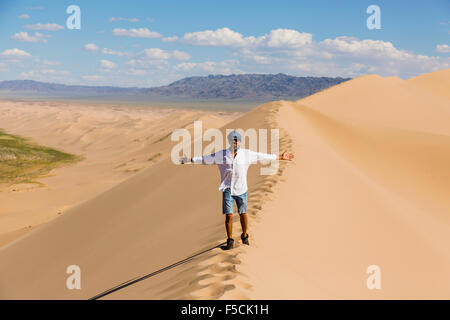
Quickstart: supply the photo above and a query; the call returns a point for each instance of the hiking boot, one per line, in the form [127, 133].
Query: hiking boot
[230, 244]
[245, 240]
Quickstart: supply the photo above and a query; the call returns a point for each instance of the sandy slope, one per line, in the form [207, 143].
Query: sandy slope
[369, 186]
[155, 218]
[116, 141]
[437, 82]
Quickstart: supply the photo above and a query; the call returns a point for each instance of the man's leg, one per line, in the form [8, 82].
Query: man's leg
[243, 217]
[241, 202]
[227, 210]
[229, 225]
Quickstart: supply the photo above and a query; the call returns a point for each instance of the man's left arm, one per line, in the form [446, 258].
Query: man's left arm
[258, 156]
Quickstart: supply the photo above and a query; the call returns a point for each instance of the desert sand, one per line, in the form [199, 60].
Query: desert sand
[115, 141]
[369, 186]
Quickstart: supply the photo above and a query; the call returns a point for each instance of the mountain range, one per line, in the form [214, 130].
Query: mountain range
[222, 87]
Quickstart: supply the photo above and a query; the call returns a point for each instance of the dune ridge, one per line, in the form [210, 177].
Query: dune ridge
[127, 231]
[214, 275]
[370, 187]
[437, 82]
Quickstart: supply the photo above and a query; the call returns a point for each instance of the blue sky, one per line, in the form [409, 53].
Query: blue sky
[151, 43]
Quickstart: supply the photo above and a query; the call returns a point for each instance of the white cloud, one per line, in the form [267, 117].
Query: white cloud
[43, 74]
[225, 37]
[369, 48]
[290, 51]
[51, 63]
[136, 33]
[147, 63]
[284, 38]
[133, 63]
[219, 38]
[262, 59]
[15, 53]
[377, 56]
[27, 75]
[47, 26]
[208, 67]
[91, 47]
[113, 19]
[25, 37]
[298, 50]
[53, 71]
[180, 55]
[92, 78]
[170, 39]
[443, 48]
[155, 53]
[24, 16]
[115, 53]
[135, 72]
[157, 57]
[107, 65]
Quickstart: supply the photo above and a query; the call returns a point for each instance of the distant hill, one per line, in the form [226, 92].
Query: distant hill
[45, 87]
[231, 87]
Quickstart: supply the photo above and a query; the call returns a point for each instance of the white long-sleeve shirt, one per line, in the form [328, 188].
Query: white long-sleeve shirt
[233, 171]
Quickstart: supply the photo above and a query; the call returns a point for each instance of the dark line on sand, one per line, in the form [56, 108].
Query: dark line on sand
[137, 279]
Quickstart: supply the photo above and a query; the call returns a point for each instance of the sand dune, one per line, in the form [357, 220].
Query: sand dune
[369, 186]
[116, 141]
[149, 221]
[374, 100]
[437, 82]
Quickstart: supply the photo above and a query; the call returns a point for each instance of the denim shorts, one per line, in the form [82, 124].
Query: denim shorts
[228, 201]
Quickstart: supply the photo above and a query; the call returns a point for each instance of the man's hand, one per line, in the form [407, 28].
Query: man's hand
[286, 156]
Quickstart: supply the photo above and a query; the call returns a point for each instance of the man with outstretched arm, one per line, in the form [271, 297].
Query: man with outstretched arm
[233, 165]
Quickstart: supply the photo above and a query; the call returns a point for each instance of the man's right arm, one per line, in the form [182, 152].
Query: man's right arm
[209, 159]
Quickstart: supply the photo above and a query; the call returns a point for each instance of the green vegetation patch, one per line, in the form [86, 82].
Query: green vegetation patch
[22, 161]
